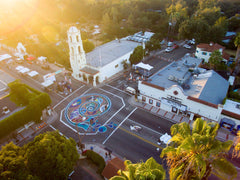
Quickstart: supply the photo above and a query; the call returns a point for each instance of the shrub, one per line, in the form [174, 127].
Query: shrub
[97, 159]
[37, 101]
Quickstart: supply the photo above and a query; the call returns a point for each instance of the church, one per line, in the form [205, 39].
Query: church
[100, 64]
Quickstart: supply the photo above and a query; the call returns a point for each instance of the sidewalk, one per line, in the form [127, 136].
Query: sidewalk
[223, 134]
[31, 129]
[101, 150]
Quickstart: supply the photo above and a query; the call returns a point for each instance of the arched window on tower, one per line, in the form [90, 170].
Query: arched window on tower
[70, 38]
[72, 51]
[77, 38]
[79, 50]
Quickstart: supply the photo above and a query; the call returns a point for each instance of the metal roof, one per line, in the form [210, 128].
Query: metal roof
[107, 53]
[207, 85]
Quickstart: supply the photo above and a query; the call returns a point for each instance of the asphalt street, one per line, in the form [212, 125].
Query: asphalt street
[129, 144]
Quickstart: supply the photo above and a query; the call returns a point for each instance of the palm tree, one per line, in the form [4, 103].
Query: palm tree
[236, 149]
[195, 154]
[150, 170]
[237, 44]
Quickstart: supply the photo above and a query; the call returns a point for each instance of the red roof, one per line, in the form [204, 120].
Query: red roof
[225, 55]
[112, 168]
[210, 47]
[213, 47]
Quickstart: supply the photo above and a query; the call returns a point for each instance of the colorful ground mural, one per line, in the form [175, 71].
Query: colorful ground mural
[84, 110]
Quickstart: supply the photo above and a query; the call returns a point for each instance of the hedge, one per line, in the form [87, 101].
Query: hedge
[32, 112]
[97, 159]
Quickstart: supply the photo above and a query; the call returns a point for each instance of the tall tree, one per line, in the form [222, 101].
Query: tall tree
[51, 156]
[137, 55]
[150, 170]
[12, 163]
[195, 28]
[237, 44]
[215, 59]
[236, 149]
[195, 153]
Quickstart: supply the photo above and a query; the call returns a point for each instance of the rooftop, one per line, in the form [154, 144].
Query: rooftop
[194, 81]
[210, 47]
[107, 53]
[232, 106]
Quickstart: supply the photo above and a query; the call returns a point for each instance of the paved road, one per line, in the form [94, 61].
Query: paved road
[133, 145]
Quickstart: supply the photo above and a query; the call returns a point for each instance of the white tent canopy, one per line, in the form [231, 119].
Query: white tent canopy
[24, 70]
[47, 83]
[19, 68]
[50, 76]
[33, 73]
[42, 58]
[144, 66]
[5, 56]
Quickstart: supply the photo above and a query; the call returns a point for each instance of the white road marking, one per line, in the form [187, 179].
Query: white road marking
[119, 125]
[145, 127]
[73, 128]
[58, 131]
[117, 89]
[69, 96]
[103, 124]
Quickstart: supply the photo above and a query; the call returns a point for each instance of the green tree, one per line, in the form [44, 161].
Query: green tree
[194, 28]
[137, 55]
[88, 46]
[237, 44]
[195, 153]
[51, 156]
[150, 170]
[236, 149]
[207, 3]
[215, 59]
[12, 163]
[153, 44]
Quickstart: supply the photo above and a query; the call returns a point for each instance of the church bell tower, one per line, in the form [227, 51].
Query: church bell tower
[77, 54]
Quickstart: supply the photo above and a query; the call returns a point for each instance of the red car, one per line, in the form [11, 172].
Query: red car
[175, 46]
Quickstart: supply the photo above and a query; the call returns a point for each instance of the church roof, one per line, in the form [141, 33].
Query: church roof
[73, 29]
[89, 70]
[107, 53]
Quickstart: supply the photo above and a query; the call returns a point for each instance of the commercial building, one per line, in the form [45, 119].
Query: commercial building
[184, 88]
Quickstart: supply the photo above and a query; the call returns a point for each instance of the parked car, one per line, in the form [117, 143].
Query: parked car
[45, 66]
[170, 44]
[187, 46]
[175, 46]
[169, 49]
[191, 42]
[5, 110]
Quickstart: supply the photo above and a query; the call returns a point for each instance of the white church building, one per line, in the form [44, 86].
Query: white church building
[101, 63]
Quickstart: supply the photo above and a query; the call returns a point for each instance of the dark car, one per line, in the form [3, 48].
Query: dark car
[45, 66]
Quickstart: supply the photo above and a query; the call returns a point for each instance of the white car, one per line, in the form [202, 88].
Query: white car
[5, 110]
[187, 46]
[169, 49]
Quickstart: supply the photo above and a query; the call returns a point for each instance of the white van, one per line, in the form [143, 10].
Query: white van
[170, 44]
[131, 90]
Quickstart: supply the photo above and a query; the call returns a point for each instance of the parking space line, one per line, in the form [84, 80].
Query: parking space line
[120, 125]
[146, 127]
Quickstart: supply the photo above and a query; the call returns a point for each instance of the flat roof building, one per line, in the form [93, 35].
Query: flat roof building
[183, 87]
